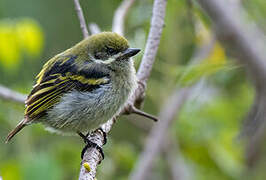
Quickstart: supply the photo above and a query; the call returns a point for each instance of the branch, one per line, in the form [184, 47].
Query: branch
[158, 132]
[120, 15]
[94, 28]
[157, 24]
[175, 161]
[144, 114]
[8, 94]
[92, 156]
[233, 29]
[248, 44]
[169, 111]
[81, 19]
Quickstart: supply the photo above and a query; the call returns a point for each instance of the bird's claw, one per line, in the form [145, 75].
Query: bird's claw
[104, 135]
[92, 145]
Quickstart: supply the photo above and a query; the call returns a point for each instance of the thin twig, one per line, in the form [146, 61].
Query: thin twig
[81, 19]
[120, 15]
[130, 109]
[92, 156]
[144, 114]
[9, 94]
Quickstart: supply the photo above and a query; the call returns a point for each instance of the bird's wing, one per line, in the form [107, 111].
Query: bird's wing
[58, 76]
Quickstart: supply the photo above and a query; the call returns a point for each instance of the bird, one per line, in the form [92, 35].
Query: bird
[83, 87]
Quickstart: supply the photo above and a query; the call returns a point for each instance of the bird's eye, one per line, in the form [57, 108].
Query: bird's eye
[97, 55]
[111, 51]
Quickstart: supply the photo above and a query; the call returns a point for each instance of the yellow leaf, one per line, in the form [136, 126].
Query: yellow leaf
[30, 36]
[217, 55]
[9, 48]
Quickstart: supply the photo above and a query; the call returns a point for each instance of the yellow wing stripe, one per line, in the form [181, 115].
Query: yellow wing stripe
[44, 90]
[84, 80]
[40, 78]
[46, 105]
[42, 99]
[48, 91]
[63, 79]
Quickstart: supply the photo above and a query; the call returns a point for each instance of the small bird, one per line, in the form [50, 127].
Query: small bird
[82, 87]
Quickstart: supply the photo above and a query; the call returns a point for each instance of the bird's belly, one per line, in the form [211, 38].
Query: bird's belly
[86, 111]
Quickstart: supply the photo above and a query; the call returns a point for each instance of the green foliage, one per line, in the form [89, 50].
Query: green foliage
[41, 166]
[211, 128]
[11, 170]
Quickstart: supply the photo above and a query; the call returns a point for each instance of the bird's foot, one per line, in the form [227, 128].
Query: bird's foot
[90, 144]
[104, 135]
[102, 132]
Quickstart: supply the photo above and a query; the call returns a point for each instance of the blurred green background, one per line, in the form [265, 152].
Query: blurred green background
[32, 31]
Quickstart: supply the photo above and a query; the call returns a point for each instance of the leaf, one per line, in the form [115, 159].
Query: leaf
[30, 36]
[216, 61]
[16, 37]
[9, 47]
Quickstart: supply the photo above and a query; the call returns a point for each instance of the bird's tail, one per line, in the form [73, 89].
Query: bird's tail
[20, 125]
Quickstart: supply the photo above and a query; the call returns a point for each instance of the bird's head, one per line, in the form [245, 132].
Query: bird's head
[108, 48]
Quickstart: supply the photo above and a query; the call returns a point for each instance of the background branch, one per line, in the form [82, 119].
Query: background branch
[170, 110]
[157, 135]
[174, 159]
[235, 31]
[81, 19]
[120, 16]
[248, 44]
[94, 28]
[9, 94]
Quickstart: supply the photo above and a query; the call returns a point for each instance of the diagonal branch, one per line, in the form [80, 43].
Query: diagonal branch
[175, 161]
[142, 113]
[233, 29]
[9, 94]
[169, 111]
[120, 15]
[81, 19]
[144, 71]
[157, 134]
[157, 24]
[248, 44]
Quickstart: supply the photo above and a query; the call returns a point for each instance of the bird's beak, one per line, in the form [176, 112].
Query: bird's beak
[129, 53]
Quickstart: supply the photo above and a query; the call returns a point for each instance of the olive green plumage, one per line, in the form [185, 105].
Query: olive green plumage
[82, 87]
